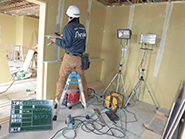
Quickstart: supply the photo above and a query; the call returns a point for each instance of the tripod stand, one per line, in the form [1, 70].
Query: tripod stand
[140, 82]
[119, 74]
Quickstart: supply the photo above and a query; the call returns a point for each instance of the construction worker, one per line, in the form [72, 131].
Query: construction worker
[74, 42]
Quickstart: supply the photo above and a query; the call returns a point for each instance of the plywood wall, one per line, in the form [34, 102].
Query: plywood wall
[96, 29]
[103, 44]
[7, 33]
[18, 31]
[30, 33]
[5, 75]
[147, 19]
[7, 38]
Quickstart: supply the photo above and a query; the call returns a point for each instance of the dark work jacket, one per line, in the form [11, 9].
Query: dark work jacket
[74, 37]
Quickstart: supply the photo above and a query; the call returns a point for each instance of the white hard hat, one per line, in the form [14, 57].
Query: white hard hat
[73, 11]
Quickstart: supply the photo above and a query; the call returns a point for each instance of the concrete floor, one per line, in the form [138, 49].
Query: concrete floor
[131, 124]
[17, 91]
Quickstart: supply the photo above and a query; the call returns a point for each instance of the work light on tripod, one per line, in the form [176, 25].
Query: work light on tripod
[148, 39]
[124, 33]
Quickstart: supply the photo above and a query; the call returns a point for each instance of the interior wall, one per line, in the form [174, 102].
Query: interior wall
[8, 31]
[7, 38]
[30, 26]
[111, 46]
[95, 34]
[30, 33]
[95, 37]
[147, 19]
[103, 43]
[50, 81]
[5, 75]
[50, 67]
[51, 14]
[18, 31]
[50, 26]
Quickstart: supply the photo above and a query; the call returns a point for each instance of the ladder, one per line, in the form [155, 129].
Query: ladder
[72, 75]
[17, 53]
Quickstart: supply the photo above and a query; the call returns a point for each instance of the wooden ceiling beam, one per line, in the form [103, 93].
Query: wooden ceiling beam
[9, 5]
[17, 6]
[129, 1]
[105, 2]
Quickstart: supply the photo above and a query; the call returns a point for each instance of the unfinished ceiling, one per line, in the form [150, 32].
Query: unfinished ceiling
[19, 8]
[26, 8]
[129, 2]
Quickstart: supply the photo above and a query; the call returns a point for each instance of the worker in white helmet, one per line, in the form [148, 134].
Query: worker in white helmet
[74, 42]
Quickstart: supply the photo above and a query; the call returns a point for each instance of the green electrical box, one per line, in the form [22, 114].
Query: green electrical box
[31, 115]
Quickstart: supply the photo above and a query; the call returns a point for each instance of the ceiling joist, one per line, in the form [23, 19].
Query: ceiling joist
[19, 8]
[130, 2]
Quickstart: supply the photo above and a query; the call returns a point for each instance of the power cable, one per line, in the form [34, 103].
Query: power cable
[8, 87]
[140, 66]
[95, 126]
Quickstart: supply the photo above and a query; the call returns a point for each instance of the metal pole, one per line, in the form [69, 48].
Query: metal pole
[140, 82]
[121, 64]
[143, 69]
[119, 72]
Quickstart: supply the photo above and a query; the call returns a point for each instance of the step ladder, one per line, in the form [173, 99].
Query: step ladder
[17, 53]
[72, 75]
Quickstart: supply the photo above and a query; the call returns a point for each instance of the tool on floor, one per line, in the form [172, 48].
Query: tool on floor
[70, 121]
[72, 75]
[97, 112]
[71, 97]
[113, 100]
[112, 115]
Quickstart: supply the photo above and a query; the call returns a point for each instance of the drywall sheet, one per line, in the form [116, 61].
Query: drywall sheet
[28, 60]
[131, 15]
[5, 75]
[50, 79]
[175, 114]
[169, 8]
[88, 19]
[51, 75]
[59, 22]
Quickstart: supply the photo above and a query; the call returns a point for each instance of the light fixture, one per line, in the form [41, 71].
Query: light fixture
[148, 39]
[124, 33]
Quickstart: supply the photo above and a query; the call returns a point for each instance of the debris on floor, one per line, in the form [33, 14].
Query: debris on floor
[157, 123]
